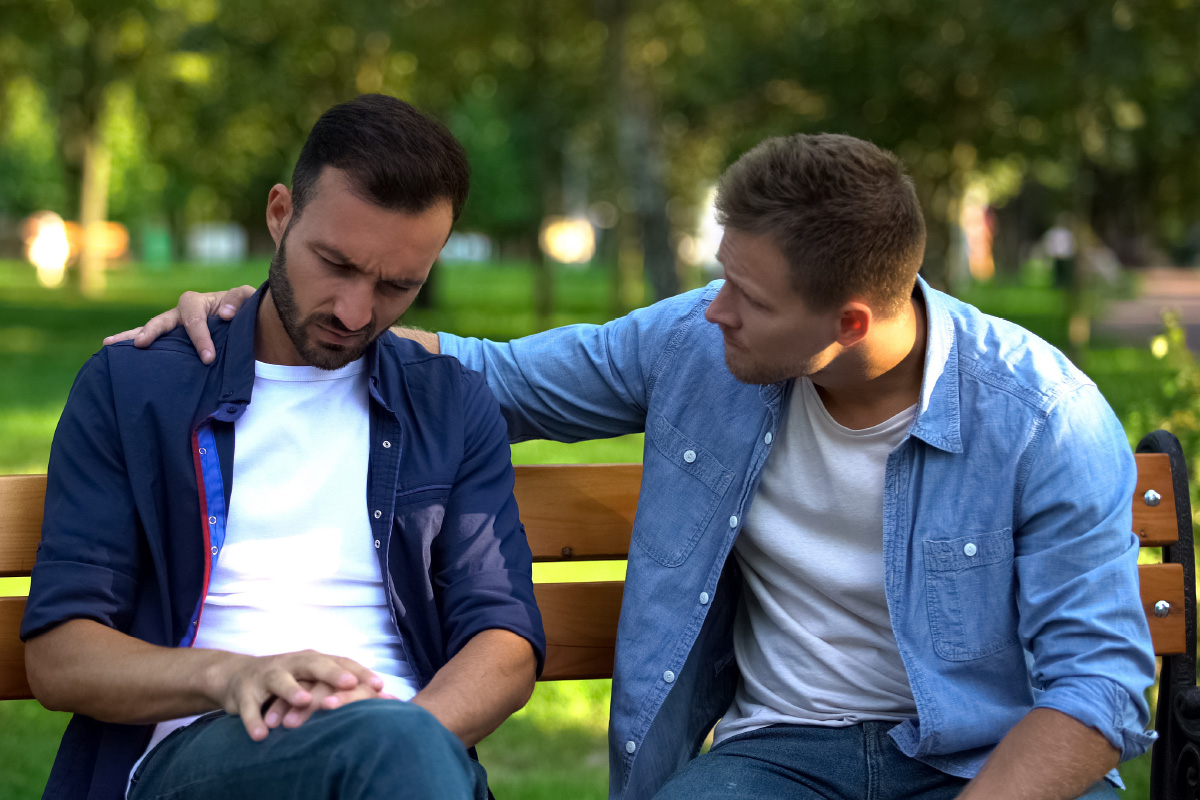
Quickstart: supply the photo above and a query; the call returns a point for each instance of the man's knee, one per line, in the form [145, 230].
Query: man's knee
[383, 741]
[396, 723]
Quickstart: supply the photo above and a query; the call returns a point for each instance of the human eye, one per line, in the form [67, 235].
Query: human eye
[393, 289]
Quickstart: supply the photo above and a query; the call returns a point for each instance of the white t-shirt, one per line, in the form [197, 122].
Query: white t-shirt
[299, 568]
[812, 636]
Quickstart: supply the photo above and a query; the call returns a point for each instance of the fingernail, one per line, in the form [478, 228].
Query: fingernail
[226, 309]
[332, 702]
[259, 734]
[206, 356]
[272, 719]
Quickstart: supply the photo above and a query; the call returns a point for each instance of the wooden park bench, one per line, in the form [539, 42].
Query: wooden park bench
[585, 513]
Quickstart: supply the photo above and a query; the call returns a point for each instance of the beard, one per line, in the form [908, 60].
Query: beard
[750, 369]
[322, 355]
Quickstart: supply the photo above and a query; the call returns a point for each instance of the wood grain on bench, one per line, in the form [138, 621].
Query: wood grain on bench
[582, 513]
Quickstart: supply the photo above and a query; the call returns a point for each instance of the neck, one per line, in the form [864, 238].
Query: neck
[881, 376]
[272, 345]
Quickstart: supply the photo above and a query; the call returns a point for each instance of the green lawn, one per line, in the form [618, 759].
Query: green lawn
[556, 746]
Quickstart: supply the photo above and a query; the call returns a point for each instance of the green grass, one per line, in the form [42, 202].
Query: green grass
[556, 746]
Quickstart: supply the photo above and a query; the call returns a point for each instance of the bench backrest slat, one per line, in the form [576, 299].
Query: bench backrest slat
[578, 512]
[21, 500]
[1157, 525]
[584, 513]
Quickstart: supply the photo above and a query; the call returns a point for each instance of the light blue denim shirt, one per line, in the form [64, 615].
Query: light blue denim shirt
[1010, 561]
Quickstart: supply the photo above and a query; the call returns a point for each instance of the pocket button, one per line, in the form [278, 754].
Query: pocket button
[970, 549]
[689, 456]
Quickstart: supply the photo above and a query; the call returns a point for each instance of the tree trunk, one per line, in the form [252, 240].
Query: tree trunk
[93, 211]
[640, 165]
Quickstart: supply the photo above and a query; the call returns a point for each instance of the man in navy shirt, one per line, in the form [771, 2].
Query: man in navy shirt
[244, 622]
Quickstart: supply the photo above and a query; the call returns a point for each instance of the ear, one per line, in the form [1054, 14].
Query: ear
[279, 211]
[854, 322]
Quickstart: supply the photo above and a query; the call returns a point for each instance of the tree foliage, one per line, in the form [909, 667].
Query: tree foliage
[203, 103]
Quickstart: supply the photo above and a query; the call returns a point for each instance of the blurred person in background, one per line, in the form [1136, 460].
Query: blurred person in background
[244, 623]
[871, 525]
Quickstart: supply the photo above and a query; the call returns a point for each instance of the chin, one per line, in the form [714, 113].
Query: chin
[758, 374]
[324, 355]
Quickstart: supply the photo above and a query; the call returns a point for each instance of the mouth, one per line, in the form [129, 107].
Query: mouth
[337, 337]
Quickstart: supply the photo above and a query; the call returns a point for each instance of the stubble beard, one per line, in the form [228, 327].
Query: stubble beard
[322, 355]
[746, 369]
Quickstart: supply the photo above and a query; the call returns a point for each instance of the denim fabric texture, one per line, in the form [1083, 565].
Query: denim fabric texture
[800, 762]
[369, 750]
[1010, 561]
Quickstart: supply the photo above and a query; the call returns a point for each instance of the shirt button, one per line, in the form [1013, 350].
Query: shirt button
[704, 598]
[689, 456]
[669, 676]
[970, 549]
[212, 520]
[378, 513]
[733, 521]
[767, 438]
[631, 747]
[214, 550]
[202, 451]
[376, 544]
[386, 444]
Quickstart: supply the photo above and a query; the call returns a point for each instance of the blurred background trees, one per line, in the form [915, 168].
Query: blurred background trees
[163, 114]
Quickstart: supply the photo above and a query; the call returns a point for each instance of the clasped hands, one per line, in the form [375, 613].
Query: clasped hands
[287, 689]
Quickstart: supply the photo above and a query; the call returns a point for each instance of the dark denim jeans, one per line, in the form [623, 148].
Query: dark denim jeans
[365, 750]
[860, 762]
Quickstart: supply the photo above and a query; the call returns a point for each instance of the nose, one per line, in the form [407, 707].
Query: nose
[718, 311]
[354, 307]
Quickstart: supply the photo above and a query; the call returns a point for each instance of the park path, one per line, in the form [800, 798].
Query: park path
[1136, 321]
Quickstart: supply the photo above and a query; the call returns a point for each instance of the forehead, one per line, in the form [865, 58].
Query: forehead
[372, 236]
[754, 258]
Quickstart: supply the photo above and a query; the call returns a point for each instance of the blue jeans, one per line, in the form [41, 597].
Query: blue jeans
[365, 750]
[860, 762]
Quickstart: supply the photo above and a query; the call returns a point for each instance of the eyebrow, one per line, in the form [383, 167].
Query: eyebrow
[331, 253]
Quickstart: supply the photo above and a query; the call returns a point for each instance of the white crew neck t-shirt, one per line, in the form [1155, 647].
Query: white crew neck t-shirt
[812, 637]
[299, 568]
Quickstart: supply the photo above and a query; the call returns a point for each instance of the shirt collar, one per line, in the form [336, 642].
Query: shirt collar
[237, 377]
[938, 418]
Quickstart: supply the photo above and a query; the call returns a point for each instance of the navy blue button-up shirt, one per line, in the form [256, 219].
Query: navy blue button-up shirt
[139, 484]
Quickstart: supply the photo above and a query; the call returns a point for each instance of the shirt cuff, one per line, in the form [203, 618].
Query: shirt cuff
[1104, 705]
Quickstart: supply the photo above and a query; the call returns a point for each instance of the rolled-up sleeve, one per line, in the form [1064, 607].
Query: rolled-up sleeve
[483, 565]
[1080, 604]
[88, 559]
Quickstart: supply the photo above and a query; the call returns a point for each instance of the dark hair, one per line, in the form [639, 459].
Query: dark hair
[395, 156]
[841, 210]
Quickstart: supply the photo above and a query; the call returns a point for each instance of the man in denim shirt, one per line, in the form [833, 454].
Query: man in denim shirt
[933, 591]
